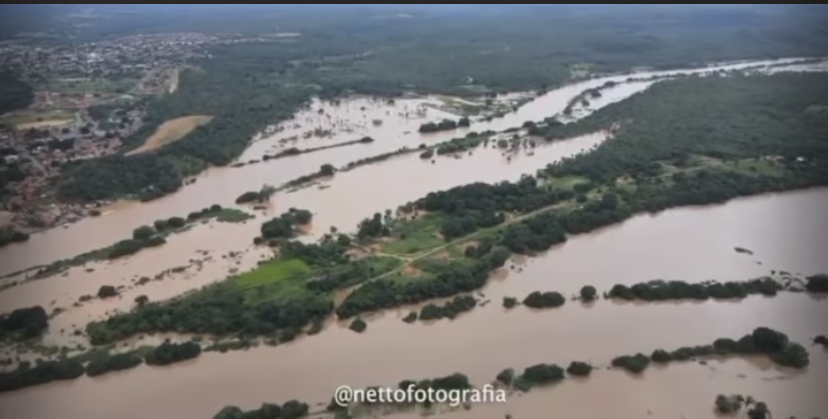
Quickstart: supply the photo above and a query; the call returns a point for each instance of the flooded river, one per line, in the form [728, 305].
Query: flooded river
[349, 120]
[479, 344]
[786, 231]
[350, 197]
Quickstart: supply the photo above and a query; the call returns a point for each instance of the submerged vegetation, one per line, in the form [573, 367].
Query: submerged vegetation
[285, 226]
[278, 298]
[97, 362]
[145, 237]
[291, 409]
[444, 125]
[453, 239]
[448, 310]
[24, 323]
[763, 341]
[677, 290]
[9, 235]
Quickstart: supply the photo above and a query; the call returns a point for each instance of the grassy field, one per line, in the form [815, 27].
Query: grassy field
[565, 183]
[272, 273]
[86, 85]
[283, 280]
[34, 118]
[170, 131]
[232, 215]
[414, 236]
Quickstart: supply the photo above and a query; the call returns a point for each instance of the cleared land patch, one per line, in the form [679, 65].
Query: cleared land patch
[35, 118]
[414, 235]
[170, 131]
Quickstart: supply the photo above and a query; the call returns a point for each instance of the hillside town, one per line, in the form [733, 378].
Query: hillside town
[87, 99]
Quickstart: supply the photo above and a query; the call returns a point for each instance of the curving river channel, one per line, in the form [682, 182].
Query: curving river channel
[783, 231]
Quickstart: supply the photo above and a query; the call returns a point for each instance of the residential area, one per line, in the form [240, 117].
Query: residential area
[87, 98]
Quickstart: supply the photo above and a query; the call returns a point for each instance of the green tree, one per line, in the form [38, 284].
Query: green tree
[143, 233]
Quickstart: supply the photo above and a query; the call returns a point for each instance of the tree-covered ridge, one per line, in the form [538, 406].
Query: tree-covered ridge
[725, 118]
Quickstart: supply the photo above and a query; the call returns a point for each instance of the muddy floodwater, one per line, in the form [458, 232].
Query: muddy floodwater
[349, 120]
[349, 197]
[785, 231]
[479, 344]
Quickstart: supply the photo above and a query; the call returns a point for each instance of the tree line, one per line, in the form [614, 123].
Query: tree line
[27, 375]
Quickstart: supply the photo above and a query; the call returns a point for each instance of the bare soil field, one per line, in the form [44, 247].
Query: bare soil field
[170, 131]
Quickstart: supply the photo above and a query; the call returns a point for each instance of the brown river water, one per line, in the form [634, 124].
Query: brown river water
[784, 230]
[479, 344]
[689, 243]
[223, 185]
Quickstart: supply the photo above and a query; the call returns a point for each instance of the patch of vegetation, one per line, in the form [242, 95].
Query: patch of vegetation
[509, 302]
[24, 323]
[107, 291]
[588, 293]
[27, 375]
[233, 215]
[14, 93]
[540, 374]
[729, 404]
[260, 196]
[411, 236]
[145, 237]
[444, 125]
[765, 341]
[381, 157]
[411, 317]
[117, 362]
[578, 368]
[9, 235]
[449, 310]
[817, 283]
[506, 376]
[293, 151]
[285, 226]
[632, 363]
[358, 325]
[539, 299]
[279, 297]
[451, 278]
[292, 409]
[168, 353]
[659, 290]
[274, 272]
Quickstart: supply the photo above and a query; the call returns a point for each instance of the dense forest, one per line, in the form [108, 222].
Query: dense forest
[14, 93]
[726, 118]
[489, 49]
